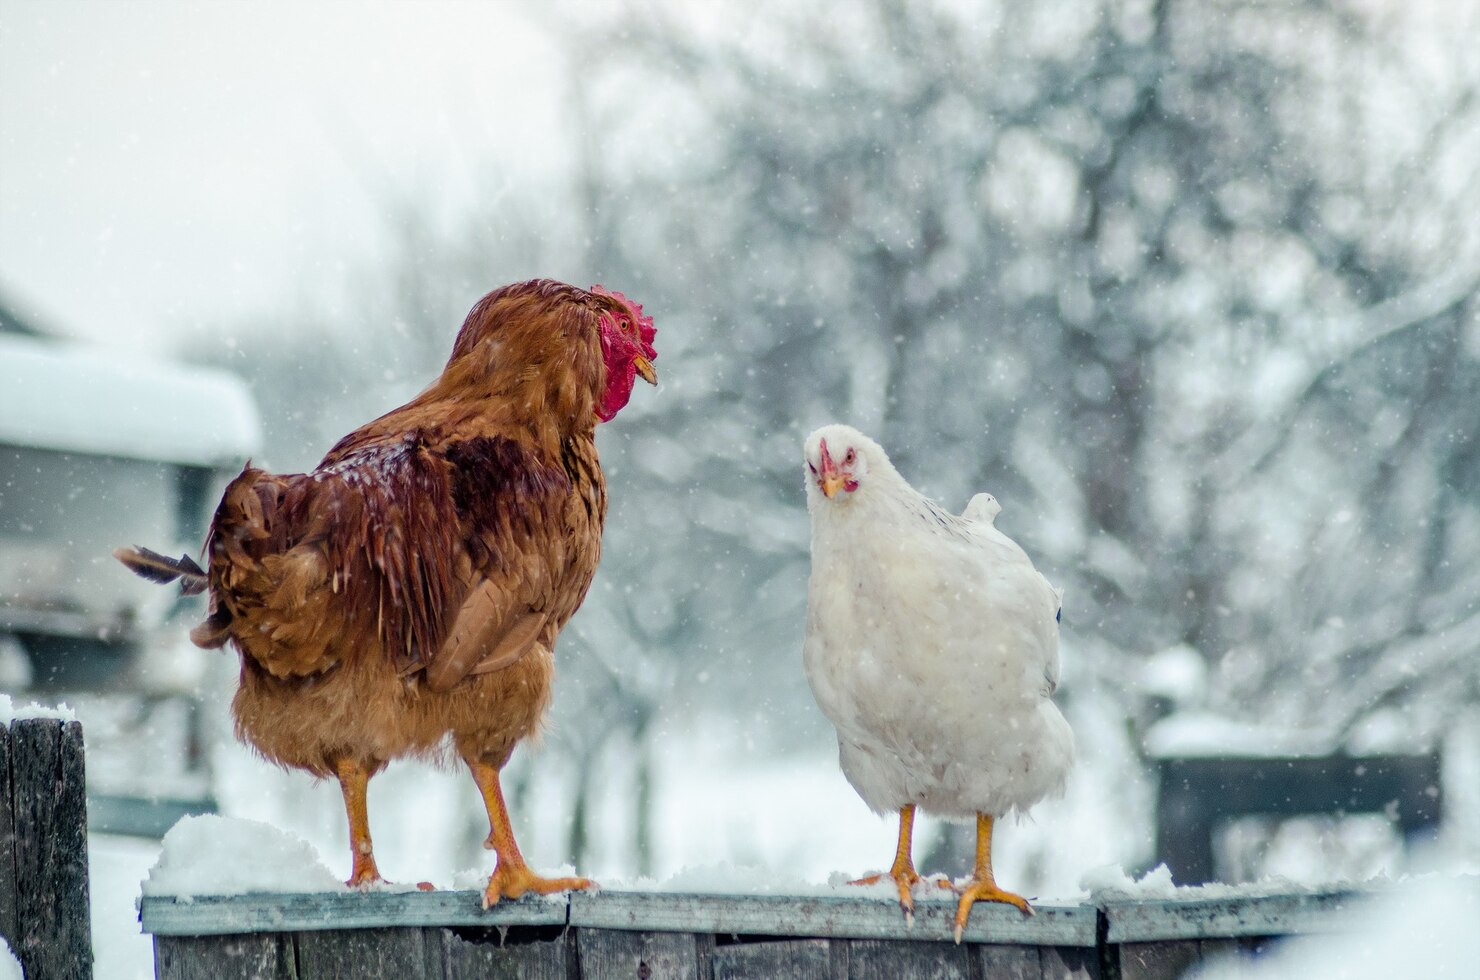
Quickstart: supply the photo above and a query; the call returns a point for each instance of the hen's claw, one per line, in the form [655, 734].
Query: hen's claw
[981, 886]
[903, 870]
[985, 890]
[905, 879]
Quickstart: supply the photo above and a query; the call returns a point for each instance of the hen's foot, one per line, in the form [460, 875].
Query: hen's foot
[905, 879]
[903, 870]
[511, 881]
[985, 890]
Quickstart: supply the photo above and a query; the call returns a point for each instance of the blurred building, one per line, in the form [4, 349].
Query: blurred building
[99, 450]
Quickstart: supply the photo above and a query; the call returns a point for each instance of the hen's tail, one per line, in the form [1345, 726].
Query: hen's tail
[159, 568]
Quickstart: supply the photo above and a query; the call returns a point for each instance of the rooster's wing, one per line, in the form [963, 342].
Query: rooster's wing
[439, 554]
[520, 546]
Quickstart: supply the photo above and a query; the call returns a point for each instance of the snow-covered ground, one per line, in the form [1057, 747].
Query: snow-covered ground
[116, 866]
[1423, 928]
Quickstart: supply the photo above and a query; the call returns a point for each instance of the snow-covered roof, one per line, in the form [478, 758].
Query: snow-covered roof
[74, 398]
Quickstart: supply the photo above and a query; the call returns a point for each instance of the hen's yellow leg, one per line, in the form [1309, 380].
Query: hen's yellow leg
[903, 870]
[354, 780]
[982, 886]
[511, 876]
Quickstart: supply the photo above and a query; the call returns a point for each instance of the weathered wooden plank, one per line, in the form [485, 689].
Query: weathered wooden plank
[1210, 950]
[209, 915]
[1267, 915]
[828, 916]
[258, 956]
[352, 954]
[1069, 963]
[511, 953]
[782, 959]
[1008, 962]
[9, 898]
[50, 814]
[645, 955]
[704, 944]
[1163, 960]
[873, 959]
[840, 959]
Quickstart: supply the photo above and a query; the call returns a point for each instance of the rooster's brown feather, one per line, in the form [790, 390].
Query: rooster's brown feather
[412, 587]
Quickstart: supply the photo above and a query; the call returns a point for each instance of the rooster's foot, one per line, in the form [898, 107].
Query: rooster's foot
[513, 881]
[364, 877]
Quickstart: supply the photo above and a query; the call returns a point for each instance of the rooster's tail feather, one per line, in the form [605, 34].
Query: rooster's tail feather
[163, 570]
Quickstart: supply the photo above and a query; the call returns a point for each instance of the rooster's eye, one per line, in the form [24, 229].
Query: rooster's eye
[848, 459]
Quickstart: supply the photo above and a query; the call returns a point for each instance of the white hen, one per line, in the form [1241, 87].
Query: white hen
[933, 646]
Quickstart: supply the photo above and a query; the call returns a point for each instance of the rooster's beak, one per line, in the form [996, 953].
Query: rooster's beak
[645, 368]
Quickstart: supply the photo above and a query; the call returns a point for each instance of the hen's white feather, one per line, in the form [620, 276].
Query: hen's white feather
[932, 645]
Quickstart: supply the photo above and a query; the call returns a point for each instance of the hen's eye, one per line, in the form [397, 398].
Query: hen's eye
[812, 468]
[850, 457]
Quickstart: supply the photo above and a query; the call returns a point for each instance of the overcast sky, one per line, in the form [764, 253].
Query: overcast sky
[167, 166]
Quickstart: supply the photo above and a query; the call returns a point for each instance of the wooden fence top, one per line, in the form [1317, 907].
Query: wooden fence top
[671, 936]
[812, 916]
[820, 916]
[1293, 914]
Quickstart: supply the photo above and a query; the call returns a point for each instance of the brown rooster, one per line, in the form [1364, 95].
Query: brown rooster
[412, 586]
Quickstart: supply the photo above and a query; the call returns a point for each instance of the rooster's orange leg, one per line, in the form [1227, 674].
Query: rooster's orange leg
[353, 781]
[511, 876]
[982, 886]
[903, 871]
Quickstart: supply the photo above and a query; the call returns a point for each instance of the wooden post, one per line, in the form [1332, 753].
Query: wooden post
[43, 857]
[9, 900]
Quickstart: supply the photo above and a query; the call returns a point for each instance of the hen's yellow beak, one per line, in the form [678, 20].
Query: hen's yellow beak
[830, 483]
[645, 369]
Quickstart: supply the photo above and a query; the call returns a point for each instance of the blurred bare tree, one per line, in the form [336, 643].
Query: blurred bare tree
[1190, 285]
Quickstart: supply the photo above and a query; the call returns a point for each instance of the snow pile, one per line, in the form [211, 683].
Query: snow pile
[211, 855]
[1423, 928]
[9, 712]
[1197, 733]
[10, 967]
[77, 398]
[1110, 883]
[1179, 674]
